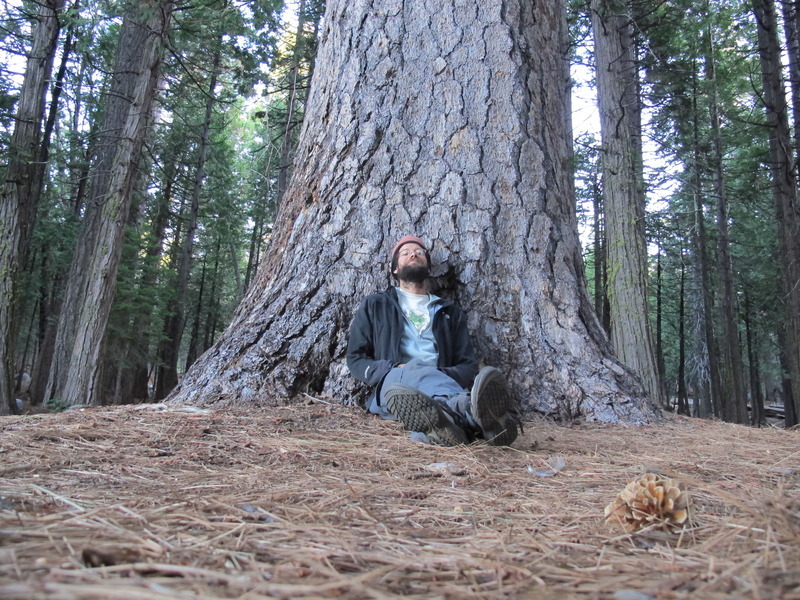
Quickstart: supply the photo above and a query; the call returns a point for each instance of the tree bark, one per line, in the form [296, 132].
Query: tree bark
[710, 405]
[74, 377]
[601, 307]
[757, 416]
[681, 391]
[791, 20]
[450, 121]
[21, 187]
[623, 188]
[784, 186]
[659, 335]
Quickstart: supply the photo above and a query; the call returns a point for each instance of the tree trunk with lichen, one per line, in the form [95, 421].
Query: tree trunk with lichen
[449, 121]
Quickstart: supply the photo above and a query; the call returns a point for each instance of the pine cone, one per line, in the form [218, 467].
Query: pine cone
[652, 501]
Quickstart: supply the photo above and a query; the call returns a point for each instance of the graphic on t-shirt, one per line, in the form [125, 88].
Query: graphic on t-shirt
[419, 318]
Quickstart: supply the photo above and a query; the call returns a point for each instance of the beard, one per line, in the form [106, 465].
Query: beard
[413, 273]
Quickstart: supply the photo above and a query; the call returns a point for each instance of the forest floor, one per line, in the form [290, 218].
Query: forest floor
[316, 501]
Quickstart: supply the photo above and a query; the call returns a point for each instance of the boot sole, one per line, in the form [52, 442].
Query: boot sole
[493, 408]
[418, 412]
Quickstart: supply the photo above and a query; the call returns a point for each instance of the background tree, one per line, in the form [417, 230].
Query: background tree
[623, 190]
[705, 198]
[292, 68]
[84, 316]
[784, 179]
[142, 288]
[174, 325]
[22, 185]
[734, 395]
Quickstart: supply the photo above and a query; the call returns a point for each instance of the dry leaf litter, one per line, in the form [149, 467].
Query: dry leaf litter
[312, 501]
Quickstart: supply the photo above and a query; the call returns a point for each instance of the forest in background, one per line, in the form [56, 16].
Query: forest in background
[216, 153]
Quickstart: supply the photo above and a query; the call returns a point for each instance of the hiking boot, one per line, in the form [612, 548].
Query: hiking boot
[419, 412]
[494, 408]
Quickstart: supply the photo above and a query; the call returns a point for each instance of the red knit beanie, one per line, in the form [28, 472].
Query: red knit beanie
[406, 239]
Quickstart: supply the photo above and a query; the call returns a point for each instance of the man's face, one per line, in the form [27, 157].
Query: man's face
[412, 264]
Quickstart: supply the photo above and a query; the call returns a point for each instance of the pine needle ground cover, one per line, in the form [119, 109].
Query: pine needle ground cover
[316, 501]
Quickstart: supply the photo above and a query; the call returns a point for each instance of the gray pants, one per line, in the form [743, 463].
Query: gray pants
[431, 382]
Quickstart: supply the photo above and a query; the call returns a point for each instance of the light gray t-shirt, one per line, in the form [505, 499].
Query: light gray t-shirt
[418, 341]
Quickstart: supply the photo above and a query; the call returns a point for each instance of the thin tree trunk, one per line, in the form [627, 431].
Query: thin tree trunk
[194, 339]
[20, 192]
[52, 115]
[784, 191]
[234, 268]
[757, 417]
[791, 27]
[660, 328]
[212, 314]
[600, 263]
[683, 395]
[50, 288]
[734, 397]
[147, 280]
[287, 143]
[75, 375]
[23, 365]
[254, 254]
[168, 373]
[417, 124]
[79, 168]
[709, 342]
[623, 188]
[703, 272]
[789, 411]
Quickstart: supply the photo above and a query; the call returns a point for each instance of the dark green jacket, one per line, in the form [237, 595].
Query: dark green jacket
[373, 347]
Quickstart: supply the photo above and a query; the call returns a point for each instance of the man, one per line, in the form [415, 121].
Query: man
[414, 348]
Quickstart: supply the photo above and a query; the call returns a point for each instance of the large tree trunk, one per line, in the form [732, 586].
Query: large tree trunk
[90, 290]
[450, 121]
[784, 191]
[20, 192]
[623, 188]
